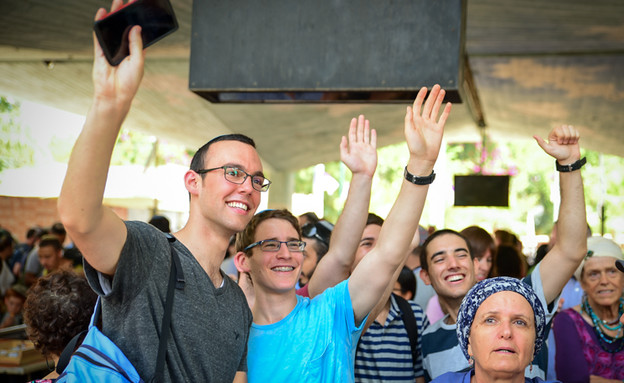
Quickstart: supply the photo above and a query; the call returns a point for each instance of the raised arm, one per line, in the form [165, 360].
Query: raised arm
[423, 133]
[96, 230]
[359, 153]
[570, 246]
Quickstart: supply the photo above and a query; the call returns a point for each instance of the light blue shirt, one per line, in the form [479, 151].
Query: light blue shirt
[316, 342]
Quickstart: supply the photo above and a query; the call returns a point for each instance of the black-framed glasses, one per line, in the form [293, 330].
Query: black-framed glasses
[239, 176]
[273, 245]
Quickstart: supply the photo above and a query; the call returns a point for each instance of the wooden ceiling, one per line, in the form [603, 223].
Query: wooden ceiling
[536, 63]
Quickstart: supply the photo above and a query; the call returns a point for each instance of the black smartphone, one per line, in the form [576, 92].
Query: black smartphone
[155, 17]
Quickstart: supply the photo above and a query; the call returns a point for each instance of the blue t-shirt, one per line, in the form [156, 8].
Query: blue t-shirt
[315, 343]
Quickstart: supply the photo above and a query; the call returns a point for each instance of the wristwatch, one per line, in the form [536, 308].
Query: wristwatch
[419, 180]
[571, 167]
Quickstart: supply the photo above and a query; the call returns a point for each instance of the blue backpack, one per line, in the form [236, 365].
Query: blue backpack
[98, 359]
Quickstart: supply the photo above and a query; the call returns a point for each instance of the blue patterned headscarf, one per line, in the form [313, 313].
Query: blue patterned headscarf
[481, 291]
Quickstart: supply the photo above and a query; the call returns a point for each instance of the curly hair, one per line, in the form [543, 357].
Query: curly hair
[58, 306]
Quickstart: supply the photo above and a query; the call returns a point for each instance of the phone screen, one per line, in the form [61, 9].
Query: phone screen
[155, 17]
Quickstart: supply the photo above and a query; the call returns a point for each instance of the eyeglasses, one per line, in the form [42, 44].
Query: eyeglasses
[239, 176]
[273, 245]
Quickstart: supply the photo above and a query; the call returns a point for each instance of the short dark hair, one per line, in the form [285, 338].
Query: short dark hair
[247, 236]
[508, 262]
[436, 234]
[310, 216]
[374, 219]
[58, 229]
[6, 239]
[407, 280]
[161, 223]
[34, 231]
[58, 307]
[197, 163]
[50, 240]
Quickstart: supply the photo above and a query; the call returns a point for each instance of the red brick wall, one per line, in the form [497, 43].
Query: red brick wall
[17, 215]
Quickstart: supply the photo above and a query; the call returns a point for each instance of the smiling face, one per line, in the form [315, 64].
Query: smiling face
[227, 205]
[602, 281]
[274, 271]
[502, 336]
[451, 271]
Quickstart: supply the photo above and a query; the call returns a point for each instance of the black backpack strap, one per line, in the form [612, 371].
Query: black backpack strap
[73, 344]
[67, 353]
[410, 324]
[176, 280]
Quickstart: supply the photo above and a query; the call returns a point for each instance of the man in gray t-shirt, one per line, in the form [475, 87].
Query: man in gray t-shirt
[128, 263]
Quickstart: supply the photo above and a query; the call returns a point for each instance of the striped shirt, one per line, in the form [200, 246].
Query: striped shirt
[384, 353]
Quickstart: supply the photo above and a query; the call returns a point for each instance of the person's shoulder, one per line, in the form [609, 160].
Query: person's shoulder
[453, 377]
[416, 308]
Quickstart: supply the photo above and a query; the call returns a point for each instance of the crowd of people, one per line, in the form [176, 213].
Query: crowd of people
[369, 299]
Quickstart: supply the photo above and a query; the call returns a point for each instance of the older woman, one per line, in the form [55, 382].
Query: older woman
[500, 327]
[589, 337]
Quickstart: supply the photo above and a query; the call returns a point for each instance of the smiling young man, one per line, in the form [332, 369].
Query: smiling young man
[298, 339]
[128, 263]
[449, 266]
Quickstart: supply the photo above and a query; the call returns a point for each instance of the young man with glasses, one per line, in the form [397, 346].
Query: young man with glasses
[128, 263]
[297, 339]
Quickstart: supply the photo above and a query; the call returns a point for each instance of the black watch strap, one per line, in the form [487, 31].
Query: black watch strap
[419, 180]
[571, 167]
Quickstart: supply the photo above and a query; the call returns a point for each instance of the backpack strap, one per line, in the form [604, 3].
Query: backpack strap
[176, 279]
[409, 320]
[69, 349]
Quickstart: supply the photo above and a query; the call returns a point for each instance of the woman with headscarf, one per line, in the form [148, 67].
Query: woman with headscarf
[500, 326]
[589, 337]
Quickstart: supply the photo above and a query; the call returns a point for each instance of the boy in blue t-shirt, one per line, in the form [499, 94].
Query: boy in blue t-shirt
[297, 339]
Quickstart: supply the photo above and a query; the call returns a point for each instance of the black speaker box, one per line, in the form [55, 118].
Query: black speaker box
[480, 190]
[337, 51]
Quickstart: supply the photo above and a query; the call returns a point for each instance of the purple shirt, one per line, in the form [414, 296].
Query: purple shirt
[579, 352]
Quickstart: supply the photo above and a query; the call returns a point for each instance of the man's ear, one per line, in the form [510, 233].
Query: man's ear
[424, 275]
[241, 261]
[192, 182]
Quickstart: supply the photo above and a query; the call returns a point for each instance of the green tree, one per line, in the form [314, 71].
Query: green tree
[16, 144]
[532, 177]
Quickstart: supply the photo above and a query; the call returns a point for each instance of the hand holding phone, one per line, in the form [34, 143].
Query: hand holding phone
[156, 18]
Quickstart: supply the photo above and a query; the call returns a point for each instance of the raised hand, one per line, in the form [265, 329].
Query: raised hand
[562, 145]
[359, 151]
[423, 128]
[118, 84]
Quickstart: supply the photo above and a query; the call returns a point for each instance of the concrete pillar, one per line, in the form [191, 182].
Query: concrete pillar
[282, 188]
